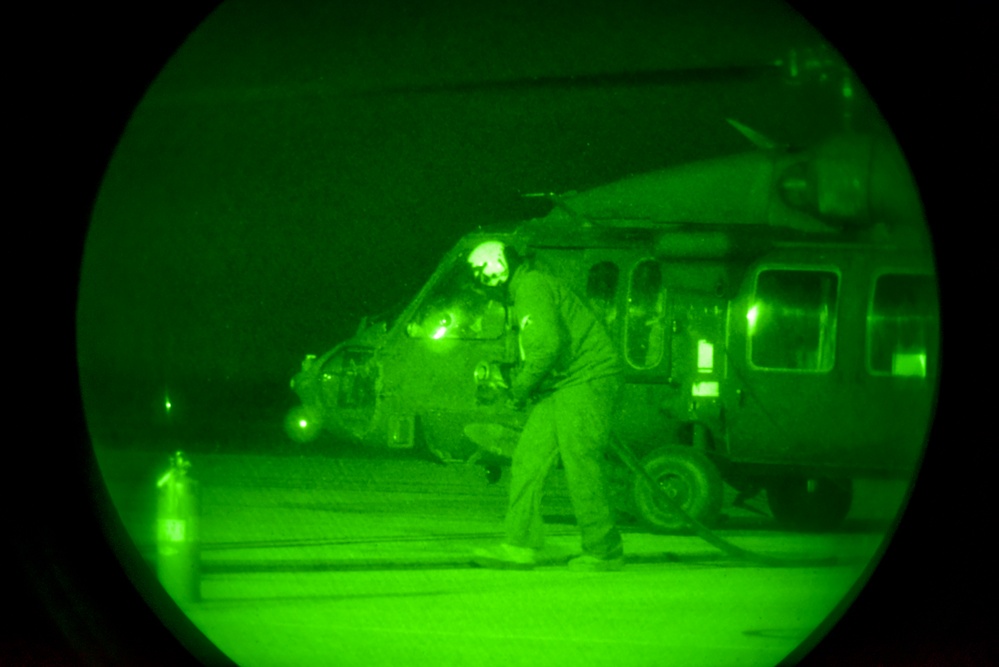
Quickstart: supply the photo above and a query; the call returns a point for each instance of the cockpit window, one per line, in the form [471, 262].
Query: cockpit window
[792, 320]
[457, 307]
[902, 325]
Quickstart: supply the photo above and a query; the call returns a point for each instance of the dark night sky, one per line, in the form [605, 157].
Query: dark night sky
[281, 179]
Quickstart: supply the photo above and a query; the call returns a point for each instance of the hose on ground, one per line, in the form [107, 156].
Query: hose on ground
[702, 531]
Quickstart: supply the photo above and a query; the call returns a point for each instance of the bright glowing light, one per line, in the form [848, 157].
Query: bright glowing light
[167, 404]
[439, 333]
[302, 423]
[705, 389]
[705, 356]
[911, 364]
[752, 316]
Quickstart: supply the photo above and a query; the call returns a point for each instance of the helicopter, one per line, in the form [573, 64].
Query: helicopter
[776, 309]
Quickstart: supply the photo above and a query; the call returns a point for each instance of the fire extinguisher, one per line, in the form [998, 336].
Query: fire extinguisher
[178, 546]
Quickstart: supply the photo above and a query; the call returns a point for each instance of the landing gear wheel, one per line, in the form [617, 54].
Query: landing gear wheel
[689, 478]
[804, 504]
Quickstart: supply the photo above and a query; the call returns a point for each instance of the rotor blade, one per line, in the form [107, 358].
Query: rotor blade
[758, 139]
[659, 77]
[327, 89]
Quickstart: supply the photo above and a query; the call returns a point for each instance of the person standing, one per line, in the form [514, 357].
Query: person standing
[570, 371]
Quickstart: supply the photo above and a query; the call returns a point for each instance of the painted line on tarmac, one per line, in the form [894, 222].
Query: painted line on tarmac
[210, 567]
[384, 539]
[353, 629]
[358, 565]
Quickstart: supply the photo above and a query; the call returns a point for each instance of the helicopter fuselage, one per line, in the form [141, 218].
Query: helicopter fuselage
[769, 352]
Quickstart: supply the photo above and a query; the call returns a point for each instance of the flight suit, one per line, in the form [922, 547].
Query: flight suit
[570, 368]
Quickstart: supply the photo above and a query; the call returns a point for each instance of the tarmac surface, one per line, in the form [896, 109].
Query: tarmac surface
[354, 561]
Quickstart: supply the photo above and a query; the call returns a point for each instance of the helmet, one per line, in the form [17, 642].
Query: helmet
[489, 263]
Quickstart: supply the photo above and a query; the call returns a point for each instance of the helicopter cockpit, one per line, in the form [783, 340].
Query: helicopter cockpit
[456, 308]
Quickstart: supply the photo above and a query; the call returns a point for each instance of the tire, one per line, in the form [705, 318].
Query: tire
[689, 478]
[801, 504]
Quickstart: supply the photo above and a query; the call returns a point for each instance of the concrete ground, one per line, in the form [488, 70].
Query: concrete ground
[352, 561]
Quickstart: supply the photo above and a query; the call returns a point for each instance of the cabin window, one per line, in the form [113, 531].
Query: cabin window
[601, 286]
[644, 328]
[456, 307]
[902, 325]
[792, 321]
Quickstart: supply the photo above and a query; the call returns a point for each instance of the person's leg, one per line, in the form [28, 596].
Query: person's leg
[583, 418]
[533, 459]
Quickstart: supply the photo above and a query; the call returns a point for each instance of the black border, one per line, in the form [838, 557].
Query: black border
[89, 65]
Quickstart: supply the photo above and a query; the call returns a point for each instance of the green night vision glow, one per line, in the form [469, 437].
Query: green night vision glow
[268, 198]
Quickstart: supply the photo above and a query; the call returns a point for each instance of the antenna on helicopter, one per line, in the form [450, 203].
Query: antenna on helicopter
[758, 139]
[821, 64]
[807, 66]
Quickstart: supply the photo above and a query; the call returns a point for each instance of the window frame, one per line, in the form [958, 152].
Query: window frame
[868, 339]
[804, 268]
[663, 315]
[431, 288]
[615, 295]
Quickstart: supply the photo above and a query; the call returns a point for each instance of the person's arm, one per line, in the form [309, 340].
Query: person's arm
[537, 317]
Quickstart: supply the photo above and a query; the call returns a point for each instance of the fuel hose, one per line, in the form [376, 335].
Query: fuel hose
[702, 531]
